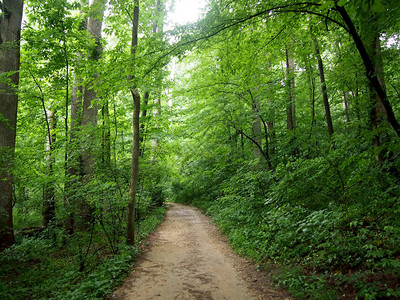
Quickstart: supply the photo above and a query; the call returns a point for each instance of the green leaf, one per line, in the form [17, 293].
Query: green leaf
[327, 5]
[378, 6]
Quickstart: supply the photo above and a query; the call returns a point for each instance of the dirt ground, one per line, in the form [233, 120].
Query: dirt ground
[188, 258]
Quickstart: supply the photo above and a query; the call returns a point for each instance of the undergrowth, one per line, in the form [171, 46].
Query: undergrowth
[331, 226]
[49, 265]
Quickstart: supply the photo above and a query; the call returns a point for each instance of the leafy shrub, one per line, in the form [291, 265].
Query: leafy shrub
[333, 220]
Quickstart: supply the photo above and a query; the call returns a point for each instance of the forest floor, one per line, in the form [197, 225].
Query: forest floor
[188, 258]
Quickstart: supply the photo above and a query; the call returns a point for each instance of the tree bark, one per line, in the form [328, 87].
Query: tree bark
[10, 33]
[371, 72]
[378, 111]
[106, 153]
[290, 103]
[90, 109]
[256, 126]
[143, 125]
[130, 232]
[323, 89]
[49, 192]
[291, 100]
[134, 168]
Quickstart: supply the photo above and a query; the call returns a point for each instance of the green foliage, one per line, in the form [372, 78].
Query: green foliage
[312, 221]
[324, 208]
[48, 266]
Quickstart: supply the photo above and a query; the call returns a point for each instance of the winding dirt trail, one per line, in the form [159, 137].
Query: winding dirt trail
[188, 258]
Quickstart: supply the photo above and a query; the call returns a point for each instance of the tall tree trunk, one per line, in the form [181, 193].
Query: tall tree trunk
[290, 103]
[49, 192]
[10, 33]
[143, 125]
[371, 72]
[106, 153]
[74, 167]
[378, 111]
[130, 232]
[256, 126]
[323, 89]
[90, 109]
[311, 79]
[291, 100]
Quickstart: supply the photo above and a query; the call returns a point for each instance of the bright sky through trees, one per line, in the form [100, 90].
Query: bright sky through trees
[185, 11]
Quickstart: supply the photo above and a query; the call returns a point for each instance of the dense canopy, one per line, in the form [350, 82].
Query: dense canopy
[280, 119]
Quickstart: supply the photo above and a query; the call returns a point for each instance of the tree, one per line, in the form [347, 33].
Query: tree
[323, 88]
[371, 72]
[134, 177]
[90, 106]
[49, 190]
[290, 77]
[10, 33]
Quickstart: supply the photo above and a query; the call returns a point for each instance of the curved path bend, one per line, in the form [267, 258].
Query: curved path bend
[188, 258]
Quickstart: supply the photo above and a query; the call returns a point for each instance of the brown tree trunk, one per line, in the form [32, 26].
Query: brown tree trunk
[256, 129]
[290, 103]
[49, 192]
[378, 111]
[311, 79]
[90, 109]
[143, 125]
[323, 89]
[106, 153]
[291, 100]
[10, 33]
[134, 168]
[130, 232]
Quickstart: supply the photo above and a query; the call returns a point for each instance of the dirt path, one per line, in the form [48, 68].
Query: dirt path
[188, 258]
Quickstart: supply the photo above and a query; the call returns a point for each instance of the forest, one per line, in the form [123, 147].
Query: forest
[279, 119]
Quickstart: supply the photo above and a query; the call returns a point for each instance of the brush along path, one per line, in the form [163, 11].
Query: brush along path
[188, 258]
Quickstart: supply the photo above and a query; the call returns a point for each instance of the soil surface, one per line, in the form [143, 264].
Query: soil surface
[188, 258]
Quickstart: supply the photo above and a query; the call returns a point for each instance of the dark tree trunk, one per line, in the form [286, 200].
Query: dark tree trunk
[143, 125]
[130, 231]
[106, 153]
[290, 103]
[291, 100]
[10, 32]
[49, 191]
[378, 111]
[256, 127]
[323, 89]
[371, 72]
